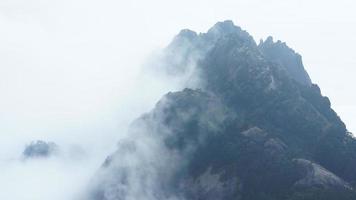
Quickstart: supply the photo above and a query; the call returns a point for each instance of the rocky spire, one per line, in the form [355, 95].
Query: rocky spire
[279, 53]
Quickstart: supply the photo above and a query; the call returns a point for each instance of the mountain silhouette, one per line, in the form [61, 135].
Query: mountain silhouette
[255, 127]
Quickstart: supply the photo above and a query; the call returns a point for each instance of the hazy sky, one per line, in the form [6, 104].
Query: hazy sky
[69, 69]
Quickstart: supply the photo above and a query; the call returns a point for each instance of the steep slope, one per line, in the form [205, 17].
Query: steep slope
[282, 55]
[257, 129]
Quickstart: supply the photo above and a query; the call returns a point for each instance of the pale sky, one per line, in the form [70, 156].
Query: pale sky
[69, 69]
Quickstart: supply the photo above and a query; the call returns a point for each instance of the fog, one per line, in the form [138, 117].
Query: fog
[71, 72]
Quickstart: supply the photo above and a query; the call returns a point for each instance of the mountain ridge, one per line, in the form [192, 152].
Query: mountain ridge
[257, 128]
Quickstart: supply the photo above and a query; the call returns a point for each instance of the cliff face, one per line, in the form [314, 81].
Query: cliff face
[257, 129]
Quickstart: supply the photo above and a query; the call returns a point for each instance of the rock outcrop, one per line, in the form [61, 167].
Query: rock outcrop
[315, 175]
[40, 149]
[256, 129]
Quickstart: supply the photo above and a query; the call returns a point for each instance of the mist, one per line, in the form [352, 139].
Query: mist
[73, 72]
[72, 77]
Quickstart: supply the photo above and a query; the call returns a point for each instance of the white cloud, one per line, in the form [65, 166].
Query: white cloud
[69, 70]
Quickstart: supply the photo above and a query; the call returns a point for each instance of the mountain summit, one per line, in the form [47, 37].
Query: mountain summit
[257, 128]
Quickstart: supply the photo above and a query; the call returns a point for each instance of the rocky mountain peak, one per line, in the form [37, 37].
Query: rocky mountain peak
[40, 149]
[187, 33]
[227, 30]
[224, 27]
[255, 129]
[284, 56]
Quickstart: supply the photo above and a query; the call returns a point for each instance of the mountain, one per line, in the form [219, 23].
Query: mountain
[40, 149]
[257, 128]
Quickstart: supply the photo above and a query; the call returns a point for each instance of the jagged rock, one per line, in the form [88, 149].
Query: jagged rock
[180, 124]
[40, 149]
[255, 133]
[315, 175]
[211, 186]
[224, 30]
[287, 58]
[212, 143]
[275, 146]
